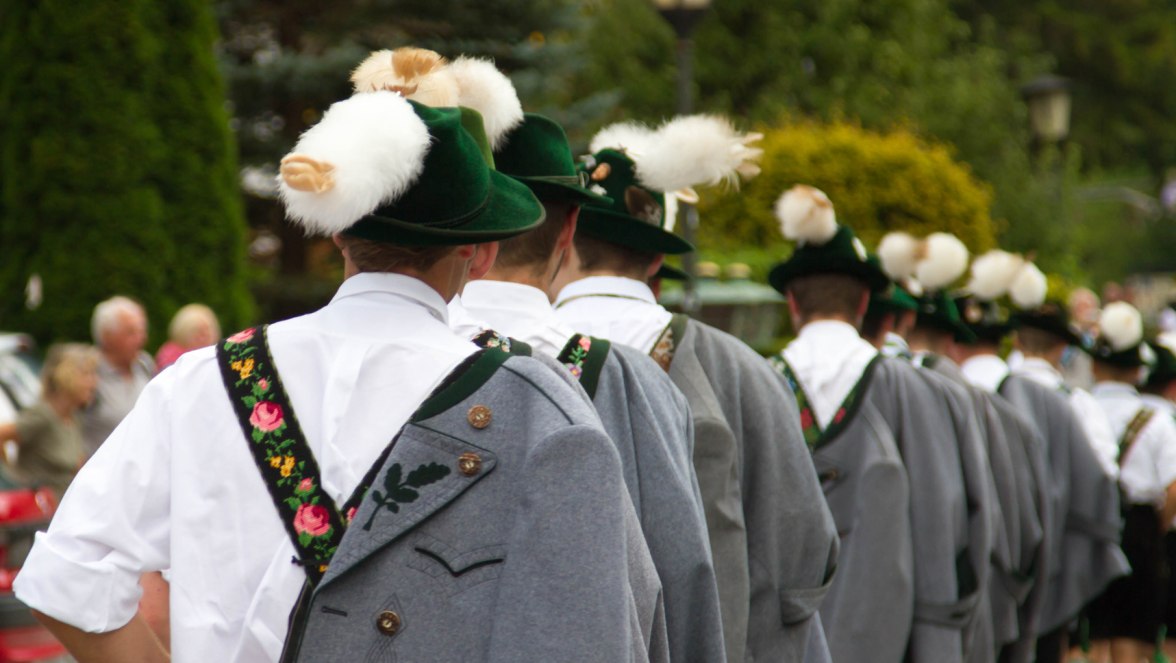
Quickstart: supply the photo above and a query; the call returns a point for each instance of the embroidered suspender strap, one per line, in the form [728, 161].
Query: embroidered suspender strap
[279, 448]
[667, 343]
[489, 339]
[813, 435]
[1133, 430]
[584, 356]
[808, 420]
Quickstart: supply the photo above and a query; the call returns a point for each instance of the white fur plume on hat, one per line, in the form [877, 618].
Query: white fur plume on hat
[899, 254]
[365, 152]
[688, 151]
[806, 215]
[1120, 326]
[993, 273]
[944, 259]
[426, 77]
[1029, 287]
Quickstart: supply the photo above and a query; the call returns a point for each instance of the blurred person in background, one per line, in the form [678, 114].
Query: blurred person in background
[1076, 366]
[193, 326]
[119, 327]
[50, 443]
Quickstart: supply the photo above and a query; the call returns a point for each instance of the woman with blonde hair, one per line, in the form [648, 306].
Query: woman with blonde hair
[50, 441]
[193, 326]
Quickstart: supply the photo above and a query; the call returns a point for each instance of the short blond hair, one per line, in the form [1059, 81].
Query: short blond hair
[64, 363]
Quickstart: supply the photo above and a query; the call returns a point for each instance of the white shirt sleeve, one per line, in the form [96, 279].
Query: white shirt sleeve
[1098, 430]
[111, 526]
[1164, 428]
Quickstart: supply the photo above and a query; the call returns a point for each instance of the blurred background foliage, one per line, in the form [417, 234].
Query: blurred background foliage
[134, 161]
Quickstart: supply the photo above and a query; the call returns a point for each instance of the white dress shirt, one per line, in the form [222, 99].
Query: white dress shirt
[1086, 408]
[176, 487]
[620, 309]
[1150, 464]
[828, 358]
[985, 371]
[519, 311]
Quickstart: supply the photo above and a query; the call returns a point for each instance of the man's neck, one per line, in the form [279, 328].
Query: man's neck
[525, 275]
[123, 366]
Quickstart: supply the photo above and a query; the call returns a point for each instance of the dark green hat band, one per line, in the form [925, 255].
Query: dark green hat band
[986, 321]
[938, 311]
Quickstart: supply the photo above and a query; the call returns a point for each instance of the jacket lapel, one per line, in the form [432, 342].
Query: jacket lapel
[424, 472]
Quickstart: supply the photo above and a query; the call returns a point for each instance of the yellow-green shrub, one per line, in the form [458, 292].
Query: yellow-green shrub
[878, 182]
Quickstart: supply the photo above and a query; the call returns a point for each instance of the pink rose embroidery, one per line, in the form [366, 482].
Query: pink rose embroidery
[305, 486]
[263, 384]
[267, 416]
[575, 370]
[242, 336]
[351, 514]
[585, 342]
[312, 519]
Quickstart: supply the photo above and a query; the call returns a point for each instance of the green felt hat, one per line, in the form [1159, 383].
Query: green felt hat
[894, 299]
[1050, 317]
[1120, 341]
[671, 273]
[1163, 370]
[939, 310]
[842, 254]
[537, 154]
[985, 320]
[407, 174]
[636, 217]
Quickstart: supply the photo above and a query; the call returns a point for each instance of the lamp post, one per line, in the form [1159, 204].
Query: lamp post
[1048, 98]
[683, 17]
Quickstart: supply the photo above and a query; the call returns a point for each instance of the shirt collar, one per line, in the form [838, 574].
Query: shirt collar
[399, 285]
[612, 286]
[985, 371]
[1110, 388]
[830, 331]
[506, 296]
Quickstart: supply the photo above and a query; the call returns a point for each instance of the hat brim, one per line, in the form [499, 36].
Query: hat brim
[786, 272]
[1048, 324]
[671, 273]
[629, 232]
[547, 190]
[511, 209]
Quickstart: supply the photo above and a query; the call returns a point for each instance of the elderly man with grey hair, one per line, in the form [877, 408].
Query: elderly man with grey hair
[119, 328]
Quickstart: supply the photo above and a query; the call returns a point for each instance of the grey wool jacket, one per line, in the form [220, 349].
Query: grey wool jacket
[773, 537]
[527, 550]
[1016, 455]
[892, 473]
[1083, 536]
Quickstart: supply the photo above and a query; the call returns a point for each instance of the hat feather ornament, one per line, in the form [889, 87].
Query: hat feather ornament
[698, 150]
[365, 152]
[993, 273]
[899, 254]
[631, 138]
[1120, 326]
[426, 77]
[944, 258]
[1029, 287]
[1167, 340]
[806, 215]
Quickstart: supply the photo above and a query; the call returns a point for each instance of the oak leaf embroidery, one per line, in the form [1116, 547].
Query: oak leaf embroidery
[399, 492]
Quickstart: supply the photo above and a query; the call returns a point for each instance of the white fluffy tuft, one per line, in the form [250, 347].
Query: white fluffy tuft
[631, 137]
[1029, 287]
[697, 150]
[377, 146]
[899, 254]
[482, 87]
[945, 259]
[416, 73]
[993, 273]
[1167, 340]
[1121, 326]
[806, 215]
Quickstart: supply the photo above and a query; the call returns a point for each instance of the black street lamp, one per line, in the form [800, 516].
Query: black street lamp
[683, 17]
[1048, 98]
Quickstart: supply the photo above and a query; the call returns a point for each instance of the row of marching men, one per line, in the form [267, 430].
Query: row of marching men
[844, 500]
[604, 480]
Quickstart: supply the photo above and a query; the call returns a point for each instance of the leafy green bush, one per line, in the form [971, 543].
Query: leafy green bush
[878, 182]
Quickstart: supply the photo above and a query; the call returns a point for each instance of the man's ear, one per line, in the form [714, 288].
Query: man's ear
[564, 241]
[654, 266]
[863, 304]
[482, 259]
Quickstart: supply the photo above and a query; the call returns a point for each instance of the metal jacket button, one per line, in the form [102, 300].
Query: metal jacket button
[469, 464]
[388, 622]
[479, 416]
